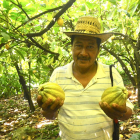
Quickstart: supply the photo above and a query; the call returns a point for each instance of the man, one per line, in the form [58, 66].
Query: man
[82, 116]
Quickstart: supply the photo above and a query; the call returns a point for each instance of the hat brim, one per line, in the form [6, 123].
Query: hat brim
[102, 36]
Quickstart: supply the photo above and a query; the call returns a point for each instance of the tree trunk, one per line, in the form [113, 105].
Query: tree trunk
[139, 92]
[138, 83]
[138, 68]
[26, 91]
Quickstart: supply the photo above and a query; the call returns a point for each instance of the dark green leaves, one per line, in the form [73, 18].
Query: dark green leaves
[135, 136]
[122, 10]
[6, 37]
[5, 4]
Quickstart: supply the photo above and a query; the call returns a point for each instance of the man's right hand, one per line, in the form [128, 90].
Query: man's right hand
[49, 108]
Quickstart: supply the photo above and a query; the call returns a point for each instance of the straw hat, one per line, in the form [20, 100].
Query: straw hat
[89, 26]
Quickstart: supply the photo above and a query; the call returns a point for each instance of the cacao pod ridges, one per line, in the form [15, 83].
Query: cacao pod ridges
[52, 91]
[115, 94]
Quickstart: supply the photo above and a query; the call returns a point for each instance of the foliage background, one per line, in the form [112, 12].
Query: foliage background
[31, 38]
[32, 45]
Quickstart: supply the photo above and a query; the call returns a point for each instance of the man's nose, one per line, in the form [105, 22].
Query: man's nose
[84, 51]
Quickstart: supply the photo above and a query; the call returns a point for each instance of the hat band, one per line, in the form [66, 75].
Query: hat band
[85, 31]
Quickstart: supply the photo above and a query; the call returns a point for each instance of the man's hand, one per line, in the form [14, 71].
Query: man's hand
[49, 108]
[115, 111]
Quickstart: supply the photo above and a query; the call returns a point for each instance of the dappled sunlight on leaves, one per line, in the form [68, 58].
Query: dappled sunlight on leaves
[44, 122]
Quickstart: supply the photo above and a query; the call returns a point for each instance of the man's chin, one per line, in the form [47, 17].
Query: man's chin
[83, 63]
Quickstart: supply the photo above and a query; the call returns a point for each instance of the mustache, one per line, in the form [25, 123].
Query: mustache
[83, 58]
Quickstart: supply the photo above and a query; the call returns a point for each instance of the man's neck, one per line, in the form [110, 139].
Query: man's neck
[87, 71]
[84, 76]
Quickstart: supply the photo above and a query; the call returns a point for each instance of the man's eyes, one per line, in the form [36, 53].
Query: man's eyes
[78, 45]
[88, 47]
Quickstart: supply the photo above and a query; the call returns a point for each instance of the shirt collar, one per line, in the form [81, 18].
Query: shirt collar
[69, 70]
[100, 71]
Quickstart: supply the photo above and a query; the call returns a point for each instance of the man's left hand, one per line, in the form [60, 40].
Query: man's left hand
[115, 111]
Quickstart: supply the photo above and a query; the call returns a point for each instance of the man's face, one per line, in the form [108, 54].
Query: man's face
[85, 51]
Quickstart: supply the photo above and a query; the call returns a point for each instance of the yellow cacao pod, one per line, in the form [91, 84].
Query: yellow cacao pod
[52, 91]
[7, 46]
[115, 94]
[60, 22]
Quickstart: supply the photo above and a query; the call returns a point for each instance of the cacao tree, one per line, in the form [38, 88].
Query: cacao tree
[125, 44]
[31, 37]
[15, 18]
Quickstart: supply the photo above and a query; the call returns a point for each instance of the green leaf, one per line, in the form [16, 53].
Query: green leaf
[46, 68]
[60, 51]
[134, 9]
[83, 8]
[1, 69]
[13, 15]
[113, 2]
[126, 12]
[89, 5]
[3, 40]
[39, 60]
[112, 14]
[138, 134]
[2, 29]
[24, 3]
[5, 36]
[56, 29]
[135, 136]
[24, 49]
[6, 4]
[20, 53]
[37, 76]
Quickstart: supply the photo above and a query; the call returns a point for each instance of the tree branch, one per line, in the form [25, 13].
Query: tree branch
[16, 32]
[39, 46]
[131, 61]
[138, 43]
[122, 64]
[125, 36]
[20, 6]
[131, 41]
[2, 44]
[65, 7]
[126, 58]
[50, 10]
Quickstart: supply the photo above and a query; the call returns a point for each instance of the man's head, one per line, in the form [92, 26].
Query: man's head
[86, 40]
[84, 51]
